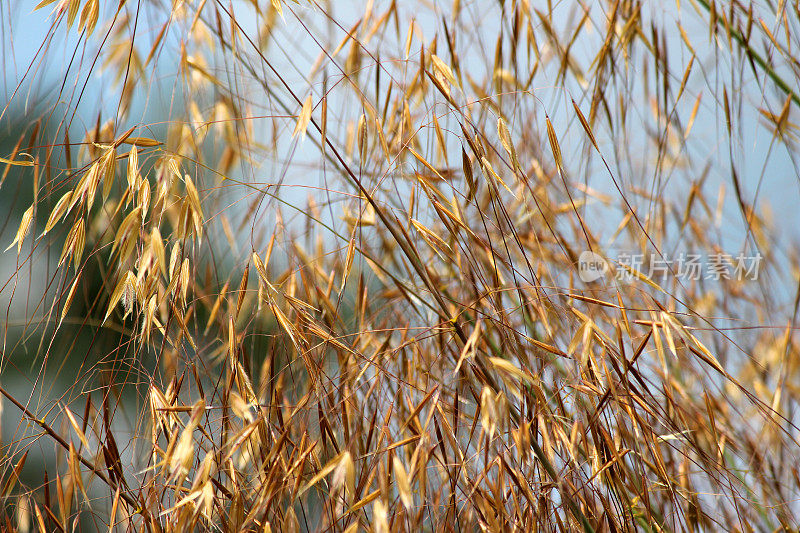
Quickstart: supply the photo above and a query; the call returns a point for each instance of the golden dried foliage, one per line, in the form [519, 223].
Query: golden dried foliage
[416, 345]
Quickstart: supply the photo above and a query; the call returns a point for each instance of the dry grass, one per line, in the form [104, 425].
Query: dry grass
[411, 347]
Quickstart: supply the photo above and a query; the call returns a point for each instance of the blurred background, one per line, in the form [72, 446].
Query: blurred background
[52, 88]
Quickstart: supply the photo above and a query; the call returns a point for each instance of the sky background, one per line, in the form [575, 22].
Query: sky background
[33, 86]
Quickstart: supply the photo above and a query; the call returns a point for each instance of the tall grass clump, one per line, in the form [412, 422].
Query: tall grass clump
[400, 266]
